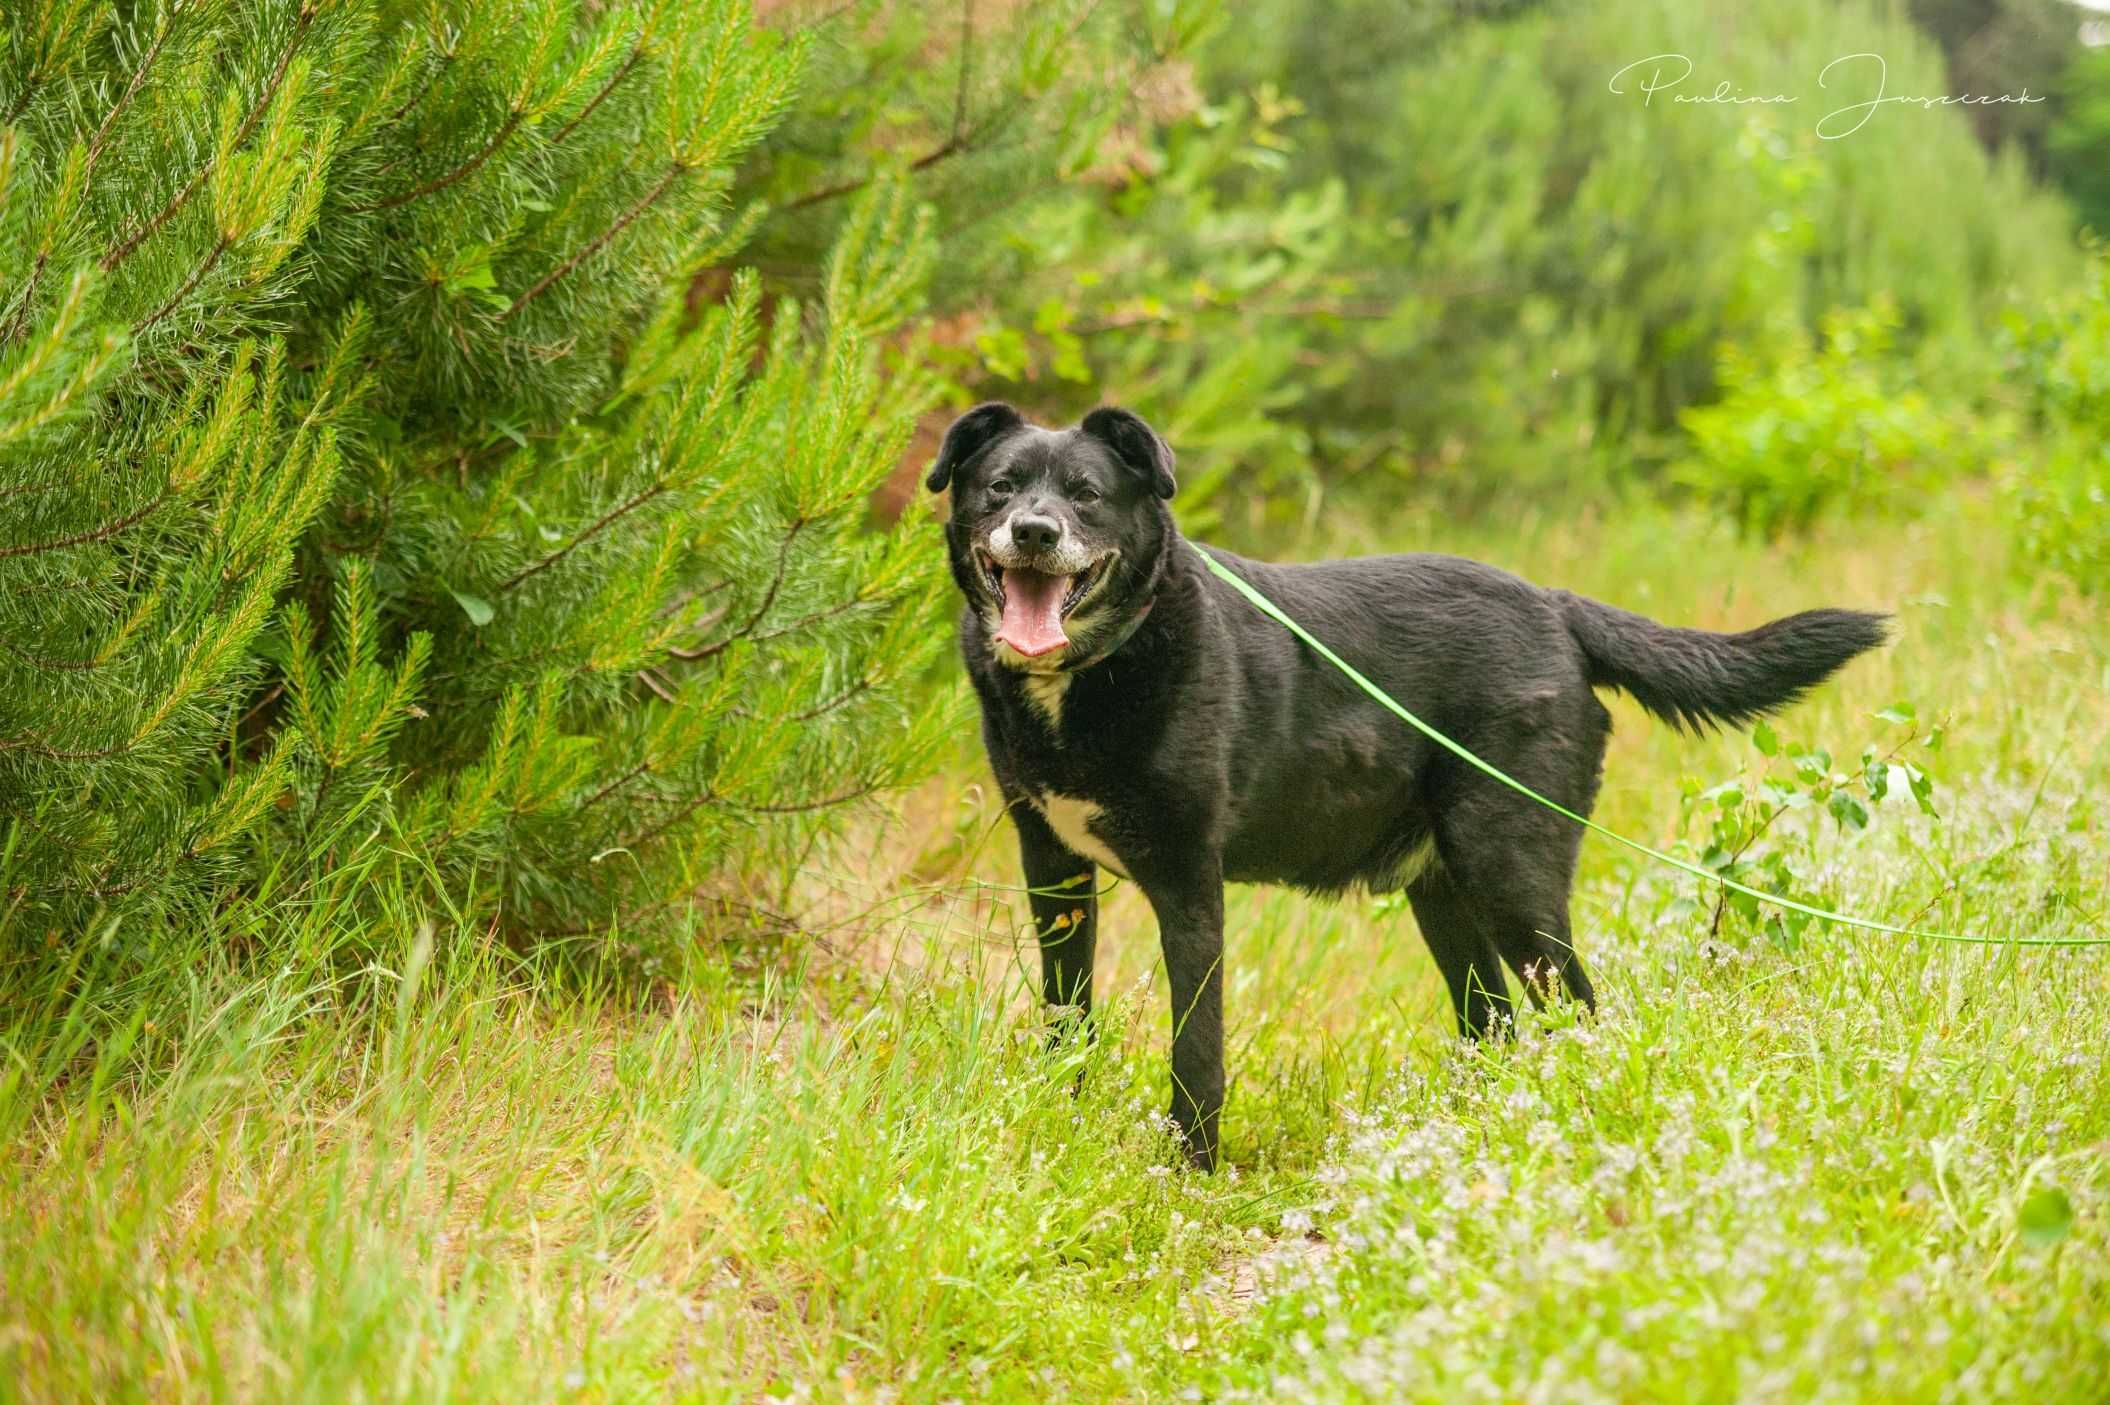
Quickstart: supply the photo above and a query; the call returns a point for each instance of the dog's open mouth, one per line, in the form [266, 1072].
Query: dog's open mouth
[1033, 604]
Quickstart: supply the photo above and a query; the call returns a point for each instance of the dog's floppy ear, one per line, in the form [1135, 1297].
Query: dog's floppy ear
[970, 434]
[1134, 443]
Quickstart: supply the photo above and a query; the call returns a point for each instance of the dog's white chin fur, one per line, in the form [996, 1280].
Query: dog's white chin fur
[1050, 662]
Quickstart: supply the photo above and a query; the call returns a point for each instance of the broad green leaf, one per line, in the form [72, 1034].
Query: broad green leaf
[1787, 938]
[475, 607]
[1847, 810]
[2045, 1218]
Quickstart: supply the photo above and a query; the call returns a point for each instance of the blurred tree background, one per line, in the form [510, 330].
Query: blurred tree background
[476, 426]
[1372, 247]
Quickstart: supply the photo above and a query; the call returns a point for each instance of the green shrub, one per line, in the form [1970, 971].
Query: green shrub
[1426, 242]
[996, 113]
[2077, 147]
[1823, 427]
[1165, 290]
[366, 481]
[2061, 501]
[2062, 511]
[1763, 827]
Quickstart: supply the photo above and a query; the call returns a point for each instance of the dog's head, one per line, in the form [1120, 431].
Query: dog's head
[1057, 535]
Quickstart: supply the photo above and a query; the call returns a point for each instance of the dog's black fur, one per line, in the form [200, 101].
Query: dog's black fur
[1187, 740]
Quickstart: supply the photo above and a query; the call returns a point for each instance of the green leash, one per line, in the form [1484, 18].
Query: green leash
[1274, 612]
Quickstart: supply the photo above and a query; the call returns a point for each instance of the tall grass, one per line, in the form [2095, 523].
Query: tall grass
[282, 1154]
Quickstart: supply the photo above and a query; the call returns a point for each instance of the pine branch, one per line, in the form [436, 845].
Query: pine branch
[803, 807]
[711, 797]
[271, 695]
[51, 664]
[22, 488]
[959, 91]
[952, 146]
[686, 597]
[102, 133]
[614, 784]
[637, 52]
[675, 170]
[131, 242]
[99, 534]
[30, 82]
[769, 598]
[646, 837]
[835, 704]
[600, 525]
[961, 138]
[455, 176]
[807, 621]
[47, 354]
[38, 746]
[803, 622]
[840, 700]
[20, 324]
[204, 267]
[120, 889]
[403, 109]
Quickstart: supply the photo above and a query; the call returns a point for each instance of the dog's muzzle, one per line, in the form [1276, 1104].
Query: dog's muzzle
[1036, 591]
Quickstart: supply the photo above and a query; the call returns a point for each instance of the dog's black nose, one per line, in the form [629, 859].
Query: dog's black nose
[1035, 533]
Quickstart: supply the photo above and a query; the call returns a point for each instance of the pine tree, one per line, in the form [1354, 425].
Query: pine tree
[371, 492]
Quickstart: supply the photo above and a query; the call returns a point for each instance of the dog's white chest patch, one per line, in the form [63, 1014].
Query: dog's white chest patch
[1071, 820]
[1045, 691]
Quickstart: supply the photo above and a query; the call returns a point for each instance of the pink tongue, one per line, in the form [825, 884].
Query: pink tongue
[1032, 622]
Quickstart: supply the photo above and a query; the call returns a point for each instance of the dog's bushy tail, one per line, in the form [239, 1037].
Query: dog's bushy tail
[1695, 678]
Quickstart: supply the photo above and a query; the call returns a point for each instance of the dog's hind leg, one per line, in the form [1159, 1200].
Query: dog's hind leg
[1513, 860]
[1450, 926]
[1513, 874]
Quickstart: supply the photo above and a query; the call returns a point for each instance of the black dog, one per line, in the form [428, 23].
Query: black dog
[1139, 714]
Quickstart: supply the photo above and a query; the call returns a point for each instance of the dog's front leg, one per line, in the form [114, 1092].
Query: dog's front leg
[1063, 892]
[1189, 902]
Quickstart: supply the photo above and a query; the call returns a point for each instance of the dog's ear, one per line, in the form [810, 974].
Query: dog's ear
[1135, 444]
[970, 434]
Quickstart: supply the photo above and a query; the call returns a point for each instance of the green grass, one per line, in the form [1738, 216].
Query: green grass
[280, 1157]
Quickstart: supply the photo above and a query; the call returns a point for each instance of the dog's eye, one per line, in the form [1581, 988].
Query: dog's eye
[1000, 487]
[1084, 492]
